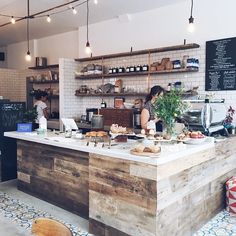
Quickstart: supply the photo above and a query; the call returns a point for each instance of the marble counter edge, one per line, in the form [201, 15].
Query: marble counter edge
[116, 153]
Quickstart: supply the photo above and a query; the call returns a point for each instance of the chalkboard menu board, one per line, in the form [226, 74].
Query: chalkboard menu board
[220, 65]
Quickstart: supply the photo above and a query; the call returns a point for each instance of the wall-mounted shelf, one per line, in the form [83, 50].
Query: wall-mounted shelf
[98, 76]
[44, 67]
[45, 82]
[140, 52]
[110, 94]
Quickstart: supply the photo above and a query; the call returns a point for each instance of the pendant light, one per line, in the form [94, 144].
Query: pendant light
[88, 48]
[28, 56]
[191, 27]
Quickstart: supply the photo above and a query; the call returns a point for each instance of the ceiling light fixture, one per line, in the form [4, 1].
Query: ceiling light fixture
[95, 1]
[49, 19]
[28, 56]
[87, 48]
[42, 13]
[191, 26]
[13, 21]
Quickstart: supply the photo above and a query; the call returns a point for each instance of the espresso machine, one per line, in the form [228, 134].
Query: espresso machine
[206, 116]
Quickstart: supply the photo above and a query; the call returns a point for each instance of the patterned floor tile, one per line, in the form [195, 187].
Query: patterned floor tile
[23, 214]
[223, 224]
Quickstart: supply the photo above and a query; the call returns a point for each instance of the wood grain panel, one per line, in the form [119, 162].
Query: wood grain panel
[57, 175]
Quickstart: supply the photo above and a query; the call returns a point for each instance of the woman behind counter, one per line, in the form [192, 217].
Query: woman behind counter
[147, 113]
[41, 106]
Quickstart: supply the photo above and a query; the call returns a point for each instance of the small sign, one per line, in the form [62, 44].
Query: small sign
[24, 127]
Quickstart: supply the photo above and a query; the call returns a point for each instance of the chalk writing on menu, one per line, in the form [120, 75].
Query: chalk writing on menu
[220, 65]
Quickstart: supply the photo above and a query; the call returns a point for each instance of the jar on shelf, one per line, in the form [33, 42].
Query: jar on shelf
[132, 69]
[114, 70]
[145, 67]
[121, 69]
[127, 70]
[138, 68]
[103, 104]
[176, 64]
[110, 70]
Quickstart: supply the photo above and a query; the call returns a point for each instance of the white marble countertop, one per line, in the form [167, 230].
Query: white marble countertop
[168, 153]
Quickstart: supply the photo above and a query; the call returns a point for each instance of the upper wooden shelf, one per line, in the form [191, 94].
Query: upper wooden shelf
[98, 76]
[45, 82]
[44, 67]
[141, 52]
[109, 94]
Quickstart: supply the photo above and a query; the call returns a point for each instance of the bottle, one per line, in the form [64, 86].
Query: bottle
[127, 69]
[168, 87]
[103, 104]
[43, 123]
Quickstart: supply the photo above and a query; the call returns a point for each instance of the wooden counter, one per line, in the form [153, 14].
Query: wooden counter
[123, 195]
[57, 175]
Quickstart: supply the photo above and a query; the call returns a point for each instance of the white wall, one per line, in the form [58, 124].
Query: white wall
[54, 47]
[58, 46]
[16, 55]
[162, 27]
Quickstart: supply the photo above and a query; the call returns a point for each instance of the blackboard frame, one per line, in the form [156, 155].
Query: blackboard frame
[220, 70]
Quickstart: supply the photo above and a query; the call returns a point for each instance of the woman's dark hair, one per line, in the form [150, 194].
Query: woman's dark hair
[154, 90]
[40, 94]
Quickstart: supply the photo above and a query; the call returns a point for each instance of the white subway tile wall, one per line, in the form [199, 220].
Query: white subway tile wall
[13, 84]
[76, 106]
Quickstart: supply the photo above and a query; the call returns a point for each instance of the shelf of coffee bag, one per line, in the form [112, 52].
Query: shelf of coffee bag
[109, 94]
[140, 52]
[98, 76]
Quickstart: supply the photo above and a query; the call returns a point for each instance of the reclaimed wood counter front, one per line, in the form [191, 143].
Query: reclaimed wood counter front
[122, 196]
[56, 175]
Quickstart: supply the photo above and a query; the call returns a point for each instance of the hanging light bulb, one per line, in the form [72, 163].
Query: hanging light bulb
[13, 21]
[88, 48]
[191, 27]
[74, 11]
[49, 19]
[96, 2]
[28, 56]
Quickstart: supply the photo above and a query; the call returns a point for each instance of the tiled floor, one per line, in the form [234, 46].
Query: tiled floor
[15, 204]
[16, 208]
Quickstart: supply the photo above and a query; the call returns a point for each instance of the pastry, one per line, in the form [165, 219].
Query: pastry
[155, 149]
[139, 148]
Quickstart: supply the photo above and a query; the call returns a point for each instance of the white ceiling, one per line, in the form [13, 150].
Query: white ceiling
[66, 21]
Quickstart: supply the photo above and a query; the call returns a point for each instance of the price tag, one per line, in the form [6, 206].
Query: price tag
[91, 144]
[100, 145]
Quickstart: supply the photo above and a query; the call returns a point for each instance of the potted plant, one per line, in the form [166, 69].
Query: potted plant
[30, 117]
[168, 107]
[229, 119]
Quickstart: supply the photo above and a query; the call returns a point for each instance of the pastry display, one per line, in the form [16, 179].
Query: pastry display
[96, 134]
[141, 148]
[116, 129]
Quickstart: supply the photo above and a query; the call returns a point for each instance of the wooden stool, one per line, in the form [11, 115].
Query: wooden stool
[49, 227]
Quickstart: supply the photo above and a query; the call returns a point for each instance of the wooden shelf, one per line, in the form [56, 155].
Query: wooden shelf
[45, 82]
[53, 96]
[44, 67]
[111, 94]
[135, 74]
[140, 52]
